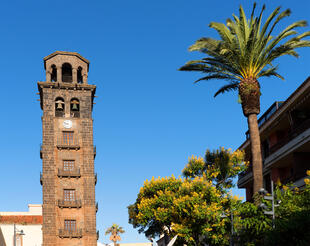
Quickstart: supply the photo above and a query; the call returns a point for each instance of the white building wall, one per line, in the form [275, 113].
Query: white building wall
[32, 237]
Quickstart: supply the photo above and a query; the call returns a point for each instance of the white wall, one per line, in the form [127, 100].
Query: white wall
[32, 237]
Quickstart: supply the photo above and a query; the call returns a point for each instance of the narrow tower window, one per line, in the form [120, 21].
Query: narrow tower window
[54, 74]
[68, 165]
[70, 225]
[69, 195]
[75, 107]
[66, 73]
[79, 76]
[59, 107]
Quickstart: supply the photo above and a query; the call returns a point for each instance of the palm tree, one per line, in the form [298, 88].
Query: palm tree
[115, 230]
[244, 53]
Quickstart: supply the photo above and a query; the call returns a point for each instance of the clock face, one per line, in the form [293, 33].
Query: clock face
[67, 124]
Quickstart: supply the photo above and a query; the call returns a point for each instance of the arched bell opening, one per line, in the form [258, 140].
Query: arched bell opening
[54, 73]
[59, 107]
[75, 107]
[67, 73]
[79, 76]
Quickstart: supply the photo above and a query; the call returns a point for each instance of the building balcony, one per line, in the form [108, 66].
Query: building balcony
[95, 178]
[64, 233]
[41, 178]
[97, 207]
[292, 134]
[70, 204]
[97, 235]
[95, 151]
[72, 143]
[74, 173]
[295, 140]
[245, 176]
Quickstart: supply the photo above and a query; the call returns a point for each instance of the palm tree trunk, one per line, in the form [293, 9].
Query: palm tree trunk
[257, 163]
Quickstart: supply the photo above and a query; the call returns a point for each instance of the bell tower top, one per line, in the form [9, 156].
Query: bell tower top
[66, 67]
[65, 71]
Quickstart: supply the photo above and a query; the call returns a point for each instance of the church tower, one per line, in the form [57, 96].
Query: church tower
[68, 179]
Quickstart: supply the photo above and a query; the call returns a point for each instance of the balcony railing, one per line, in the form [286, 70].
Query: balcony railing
[41, 178]
[95, 178]
[77, 233]
[72, 143]
[95, 151]
[245, 173]
[97, 207]
[291, 135]
[70, 204]
[74, 173]
[97, 235]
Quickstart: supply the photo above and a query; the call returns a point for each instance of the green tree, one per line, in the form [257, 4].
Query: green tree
[292, 216]
[115, 230]
[292, 219]
[244, 53]
[189, 207]
[219, 166]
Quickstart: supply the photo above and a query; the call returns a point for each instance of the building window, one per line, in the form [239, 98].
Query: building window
[67, 73]
[54, 73]
[70, 225]
[79, 76]
[69, 195]
[67, 138]
[68, 165]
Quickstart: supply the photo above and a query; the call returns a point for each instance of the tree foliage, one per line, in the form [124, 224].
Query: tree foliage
[193, 207]
[220, 166]
[189, 207]
[246, 48]
[292, 219]
[115, 230]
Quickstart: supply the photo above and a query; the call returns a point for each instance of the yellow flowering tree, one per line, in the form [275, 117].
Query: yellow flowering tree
[190, 207]
[219, 166]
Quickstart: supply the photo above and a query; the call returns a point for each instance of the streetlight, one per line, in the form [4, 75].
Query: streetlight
[271, 198]
[20, 232]
[223, 215]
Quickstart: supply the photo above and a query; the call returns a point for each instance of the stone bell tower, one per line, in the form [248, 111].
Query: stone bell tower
[67, 152]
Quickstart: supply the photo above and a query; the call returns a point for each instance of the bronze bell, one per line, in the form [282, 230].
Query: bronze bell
[75, 106]
[59, 105]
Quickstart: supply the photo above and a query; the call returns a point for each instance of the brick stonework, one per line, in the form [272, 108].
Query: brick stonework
[54, 152]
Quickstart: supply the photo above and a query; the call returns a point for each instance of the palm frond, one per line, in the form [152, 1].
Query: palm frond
[217, 76]
[270, 72]
[225, 88]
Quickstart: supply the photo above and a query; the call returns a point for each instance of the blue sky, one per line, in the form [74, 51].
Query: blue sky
[149, 117]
